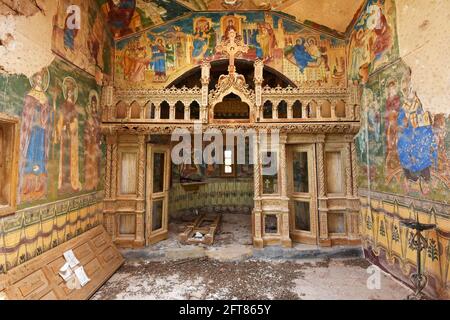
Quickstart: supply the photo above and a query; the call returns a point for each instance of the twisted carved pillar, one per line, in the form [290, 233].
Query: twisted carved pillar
[323, 210]
[140, 203]
[348, 170]
[354, 170]
[257, 210]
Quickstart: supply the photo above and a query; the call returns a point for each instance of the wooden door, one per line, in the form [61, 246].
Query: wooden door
[157, 194]
[302, 189]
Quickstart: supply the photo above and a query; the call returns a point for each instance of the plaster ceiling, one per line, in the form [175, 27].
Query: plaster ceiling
[129, 16]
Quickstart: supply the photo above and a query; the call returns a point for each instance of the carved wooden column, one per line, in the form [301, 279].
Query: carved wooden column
[158, 111]
[140, 201]
[322, 193]
[110, 184]
[257, 210]
[333, 110]
[304, 111]
[275, 112]
[187, 112]
[319, 110]
[284, 203]
[290, 111]
[259, 78]
[354, 203]
[172, 111]
[206, 77]
[348, 168]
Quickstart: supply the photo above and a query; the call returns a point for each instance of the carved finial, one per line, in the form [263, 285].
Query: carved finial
[232, 47]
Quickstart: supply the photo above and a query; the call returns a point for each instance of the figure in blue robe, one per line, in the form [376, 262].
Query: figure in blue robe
[159, 59]
[416, 147]
[199, 44]
[302, 57]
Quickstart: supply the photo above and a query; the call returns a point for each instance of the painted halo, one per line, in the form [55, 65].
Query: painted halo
[45, 74]
[70, 81]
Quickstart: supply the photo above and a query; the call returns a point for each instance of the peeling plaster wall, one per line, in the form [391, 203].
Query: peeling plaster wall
[53, 213]
[404, 144]
[423, 31]
[30, 49]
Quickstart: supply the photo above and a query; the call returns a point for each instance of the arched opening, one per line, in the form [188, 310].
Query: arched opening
[340, 109]
[150, 110]
[325, 110]
[272, 77]
[268, 110]
[135, 110]
[195, 110]
[179, 111]
[311, 110]
[297, 110]
[165, 110]
[232, 108]
[282, 110]
[121, 110]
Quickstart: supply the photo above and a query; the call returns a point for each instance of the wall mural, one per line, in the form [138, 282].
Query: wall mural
[128, 16]
[90, 47]
[374, 39]
[408, 147]
[60, 142]
[156, 57]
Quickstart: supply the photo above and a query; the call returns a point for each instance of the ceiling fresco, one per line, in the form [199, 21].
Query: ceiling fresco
[130, 16]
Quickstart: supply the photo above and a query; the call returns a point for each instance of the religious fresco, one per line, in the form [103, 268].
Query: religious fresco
[408, 147]
[156, 57]
[90, 46]
[374, 40]
[60, 143]
[128, 16]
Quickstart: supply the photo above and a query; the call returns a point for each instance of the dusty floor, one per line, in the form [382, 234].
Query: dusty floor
[211, 279]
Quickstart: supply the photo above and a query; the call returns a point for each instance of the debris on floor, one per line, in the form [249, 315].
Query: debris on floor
[205, 278]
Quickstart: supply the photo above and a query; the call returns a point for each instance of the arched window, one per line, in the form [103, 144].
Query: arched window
[282, 110]
[268, 110]
[121, 110]
[179, 111]
[165, 110]
[297, 110]
[195, 110]
[150, 110]
[340, 109]
[232, 108]
[135, 110]
[325, 110]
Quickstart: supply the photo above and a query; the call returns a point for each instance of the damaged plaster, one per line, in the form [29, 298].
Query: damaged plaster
[27, 41]
[421, 25]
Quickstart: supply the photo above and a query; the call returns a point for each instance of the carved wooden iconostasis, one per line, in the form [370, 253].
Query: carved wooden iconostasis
[312, 196]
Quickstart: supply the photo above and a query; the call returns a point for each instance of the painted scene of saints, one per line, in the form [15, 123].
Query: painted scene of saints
[35, 139]
[92, 143]
[68, 138]
[204, 41]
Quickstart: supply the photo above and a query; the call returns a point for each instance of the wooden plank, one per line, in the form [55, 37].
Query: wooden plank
[39, 279]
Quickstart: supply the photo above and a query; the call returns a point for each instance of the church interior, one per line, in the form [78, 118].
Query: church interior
[222, 129]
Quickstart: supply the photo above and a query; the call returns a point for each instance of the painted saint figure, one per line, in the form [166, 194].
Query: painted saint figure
[416, 145]
[159, 59]
[67, 135]
[301, 55]
[393, 105]
[35, 139]
[92, 142]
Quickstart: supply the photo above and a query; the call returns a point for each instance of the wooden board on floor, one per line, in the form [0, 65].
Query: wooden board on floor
[207, 225]
[39, 279]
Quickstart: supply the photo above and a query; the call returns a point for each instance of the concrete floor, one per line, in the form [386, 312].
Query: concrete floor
[233, 269]
[204, 278]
